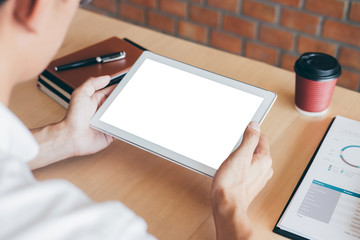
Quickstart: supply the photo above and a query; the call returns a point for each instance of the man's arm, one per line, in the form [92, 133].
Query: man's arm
[73, 136]
[237, 182]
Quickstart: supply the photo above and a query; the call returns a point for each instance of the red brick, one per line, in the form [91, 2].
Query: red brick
[276, 37]
[198, 1]
[203, 15]
[161, 22]
[307, 44]
[291, 3]
[288, 61]
[350, 57]
[259, 10]
[108, 5]
[225, 42]
[146, 3]
[300, 21]
[192, 31]
[173, 7]
[342, 32]
[239, 26]
[349, 80]
[230, 5]
[332, 8]
[132, 12]
[354, 14]
[261, 53]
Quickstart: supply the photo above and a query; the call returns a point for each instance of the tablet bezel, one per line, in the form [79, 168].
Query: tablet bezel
[268, 96]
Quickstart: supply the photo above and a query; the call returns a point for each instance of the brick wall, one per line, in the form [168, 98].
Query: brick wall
[272, 31]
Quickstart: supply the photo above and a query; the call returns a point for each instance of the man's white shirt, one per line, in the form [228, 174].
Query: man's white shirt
[53, 209]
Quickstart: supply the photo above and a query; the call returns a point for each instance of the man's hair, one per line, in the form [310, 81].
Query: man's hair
[82, 2]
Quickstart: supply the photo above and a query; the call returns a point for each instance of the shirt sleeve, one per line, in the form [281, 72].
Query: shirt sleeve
[58, 210]
[55, 209]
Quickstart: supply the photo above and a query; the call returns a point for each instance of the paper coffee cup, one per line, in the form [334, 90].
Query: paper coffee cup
[316, 77]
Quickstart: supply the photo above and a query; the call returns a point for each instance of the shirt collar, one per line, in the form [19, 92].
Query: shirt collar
[15, 139]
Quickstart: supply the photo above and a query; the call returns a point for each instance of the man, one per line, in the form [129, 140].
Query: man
[31, 32]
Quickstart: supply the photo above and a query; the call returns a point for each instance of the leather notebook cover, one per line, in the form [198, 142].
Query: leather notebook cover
[75, 77]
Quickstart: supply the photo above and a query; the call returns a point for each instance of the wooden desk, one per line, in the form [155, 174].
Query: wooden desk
[175, 201]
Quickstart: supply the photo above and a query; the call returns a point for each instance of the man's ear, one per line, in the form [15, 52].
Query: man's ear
[29, 13]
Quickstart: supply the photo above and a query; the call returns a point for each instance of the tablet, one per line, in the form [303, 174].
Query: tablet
[184, 114]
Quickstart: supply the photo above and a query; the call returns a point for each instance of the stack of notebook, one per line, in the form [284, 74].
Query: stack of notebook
[59, 85]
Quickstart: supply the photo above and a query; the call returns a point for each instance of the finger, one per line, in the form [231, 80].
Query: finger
[263, 146]
[107, 90]
[262, 152]
[93, 84]
[100, 96]
[264, 169]
[250, 141]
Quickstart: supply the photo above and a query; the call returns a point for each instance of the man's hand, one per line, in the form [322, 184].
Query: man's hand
[236, 183]
[85, 101]
[73, 136]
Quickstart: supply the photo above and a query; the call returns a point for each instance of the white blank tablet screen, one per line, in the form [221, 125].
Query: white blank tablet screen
[183, 112]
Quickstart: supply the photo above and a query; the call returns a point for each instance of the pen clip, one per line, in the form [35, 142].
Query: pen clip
[113, 57]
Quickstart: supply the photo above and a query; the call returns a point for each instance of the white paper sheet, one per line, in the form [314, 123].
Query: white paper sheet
[327, 203]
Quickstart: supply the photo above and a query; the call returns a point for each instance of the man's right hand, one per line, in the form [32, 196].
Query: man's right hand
[237, 182]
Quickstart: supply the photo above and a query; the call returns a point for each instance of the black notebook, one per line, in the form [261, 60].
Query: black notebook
[59, 85]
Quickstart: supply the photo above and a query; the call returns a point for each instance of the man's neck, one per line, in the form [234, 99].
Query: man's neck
[6, 69]
[6, 84]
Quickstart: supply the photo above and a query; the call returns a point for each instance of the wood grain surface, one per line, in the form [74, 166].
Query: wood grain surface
[174, 201]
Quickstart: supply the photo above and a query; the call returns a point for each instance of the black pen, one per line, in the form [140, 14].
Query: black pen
[100, 59]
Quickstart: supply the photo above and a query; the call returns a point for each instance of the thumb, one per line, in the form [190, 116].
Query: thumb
[93, 84]
[249, 142]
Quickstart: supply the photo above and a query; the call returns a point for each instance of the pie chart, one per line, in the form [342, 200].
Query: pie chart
[351, 155]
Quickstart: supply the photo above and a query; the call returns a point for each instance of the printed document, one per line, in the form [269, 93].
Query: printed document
[326, 205]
